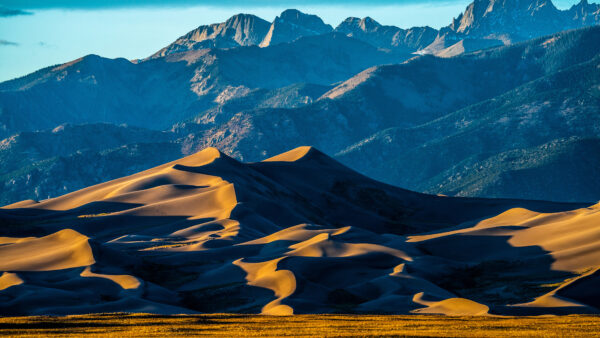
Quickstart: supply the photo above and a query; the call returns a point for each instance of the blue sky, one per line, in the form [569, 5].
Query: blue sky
[40, 33]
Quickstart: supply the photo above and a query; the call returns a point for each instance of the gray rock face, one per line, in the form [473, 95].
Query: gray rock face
[248, 30]
[389, 37]
[239, 30]
[293, 24]
[512, 21]
[584, 13]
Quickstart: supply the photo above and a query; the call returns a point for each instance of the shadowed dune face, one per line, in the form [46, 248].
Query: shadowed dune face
[266, 275]
[297, 233]
[572, 238]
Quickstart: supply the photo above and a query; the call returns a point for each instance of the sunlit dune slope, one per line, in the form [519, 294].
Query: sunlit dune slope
[297, 233]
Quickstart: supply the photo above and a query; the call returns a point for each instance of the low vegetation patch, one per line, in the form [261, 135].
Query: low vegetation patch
[234, 325]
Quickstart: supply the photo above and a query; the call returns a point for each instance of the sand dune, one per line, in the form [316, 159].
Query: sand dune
[62, 250]
[296, 233]
[124, 281]
[572, 238]
[9, 279]
[451, 307]
[266, 275]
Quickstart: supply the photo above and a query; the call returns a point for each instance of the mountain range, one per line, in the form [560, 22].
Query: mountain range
[484, 23]
[295, 233]
[465, 121]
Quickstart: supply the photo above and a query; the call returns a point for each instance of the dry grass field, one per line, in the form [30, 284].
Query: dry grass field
[232, 325]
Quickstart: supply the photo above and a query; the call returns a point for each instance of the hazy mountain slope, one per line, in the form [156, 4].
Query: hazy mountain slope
[94, 89]
[475, 150]
[28, 147]
[322, 59]
[296, 233]
[292, 96]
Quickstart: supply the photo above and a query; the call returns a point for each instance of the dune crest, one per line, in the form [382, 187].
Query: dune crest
[291, 156]
[124, 281]
[322, 246]
[451, 307]
[298, 233]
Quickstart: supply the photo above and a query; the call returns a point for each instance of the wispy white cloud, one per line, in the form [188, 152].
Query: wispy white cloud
[7, 43]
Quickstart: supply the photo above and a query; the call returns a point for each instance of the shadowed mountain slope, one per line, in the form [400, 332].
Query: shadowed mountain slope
[296, 233]
[548, 130]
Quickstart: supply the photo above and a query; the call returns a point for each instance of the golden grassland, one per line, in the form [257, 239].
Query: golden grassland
[233, 325]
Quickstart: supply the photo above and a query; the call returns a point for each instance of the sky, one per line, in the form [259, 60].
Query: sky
[39, 33]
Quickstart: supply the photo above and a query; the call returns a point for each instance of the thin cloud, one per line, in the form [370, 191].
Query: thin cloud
[46, 45]
[6, 12]
[103, 4]
[7, 43]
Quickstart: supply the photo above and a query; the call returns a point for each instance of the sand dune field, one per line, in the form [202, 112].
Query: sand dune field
[298, 233]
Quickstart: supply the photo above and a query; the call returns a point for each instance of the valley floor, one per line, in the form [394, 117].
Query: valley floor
[235, 325]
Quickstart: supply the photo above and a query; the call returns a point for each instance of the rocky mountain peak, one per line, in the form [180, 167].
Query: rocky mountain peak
[585, 13]
[239, 30]
[292, 24]
[517, 20]
[245, 29]
[368, 24]
[352, 24]
[306, 21]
